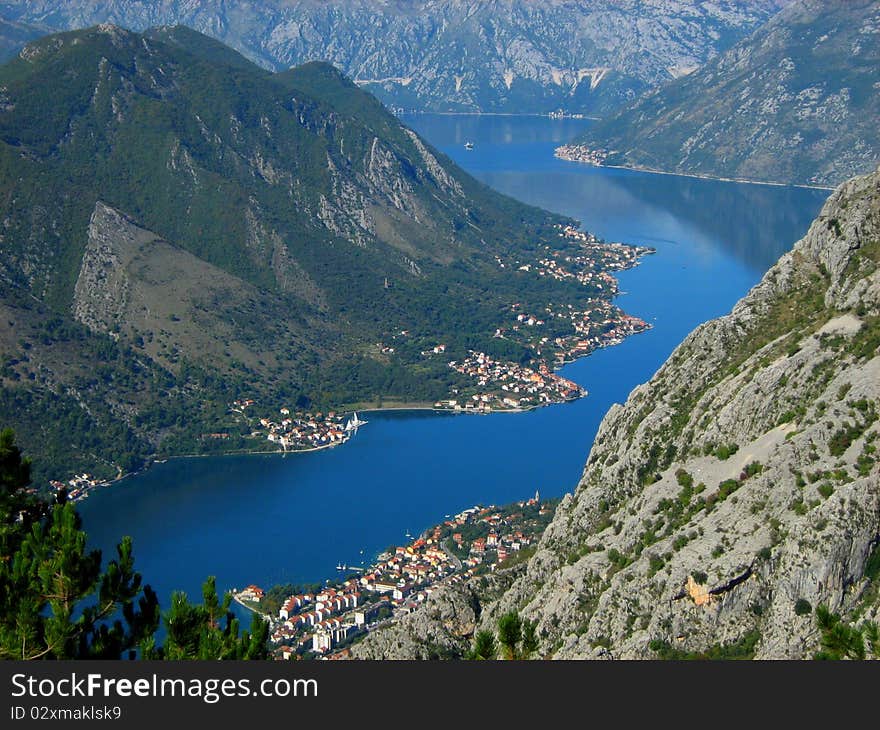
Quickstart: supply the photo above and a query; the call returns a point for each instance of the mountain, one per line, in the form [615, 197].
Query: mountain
[795, 102]
[183, 229]
[453, 55]
[730, 496]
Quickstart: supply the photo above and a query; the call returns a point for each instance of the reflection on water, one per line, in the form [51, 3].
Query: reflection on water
[500, 144]
[445, 130]
[515, 155]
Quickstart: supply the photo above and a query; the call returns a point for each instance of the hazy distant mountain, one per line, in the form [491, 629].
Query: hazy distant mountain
[14, 36]
[797, 101]
[490, 55]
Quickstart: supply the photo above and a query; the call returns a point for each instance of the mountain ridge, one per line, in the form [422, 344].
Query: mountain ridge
[454, 55]
[794, 102]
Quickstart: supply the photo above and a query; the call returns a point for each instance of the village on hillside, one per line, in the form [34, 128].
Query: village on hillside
[302, 430]
[323, 622]
[509, 386]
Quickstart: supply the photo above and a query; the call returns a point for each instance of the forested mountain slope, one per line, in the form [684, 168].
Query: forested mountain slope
[182, 228]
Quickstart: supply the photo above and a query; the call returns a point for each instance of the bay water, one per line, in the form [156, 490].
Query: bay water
[266, 519]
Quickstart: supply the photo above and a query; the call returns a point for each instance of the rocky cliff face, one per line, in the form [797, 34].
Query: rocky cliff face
[795, 102]
[740, 480]
[441, 629]
[490, 55]
[133, 284]
[730, 495]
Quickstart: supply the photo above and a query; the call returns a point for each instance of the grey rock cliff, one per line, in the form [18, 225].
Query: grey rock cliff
[668, 539]
[737, 488]
[439, 630]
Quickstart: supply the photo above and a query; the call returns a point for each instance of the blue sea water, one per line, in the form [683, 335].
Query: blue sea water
[265, 518]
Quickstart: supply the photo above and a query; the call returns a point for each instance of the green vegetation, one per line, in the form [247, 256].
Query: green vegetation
[677, 512]
[655, 563]
[484, 646]
[744, 648]
[647, 472]
[802, 607]
[209, 630]
[275, 596]
[726, 488]
[509, 633]
[867, 458]
[58, 602]
[753, 469]
[725, 451]
[844, 437]
[840, 640]
[863, 346]
[516, 637]
[872, 574]
[618, 560]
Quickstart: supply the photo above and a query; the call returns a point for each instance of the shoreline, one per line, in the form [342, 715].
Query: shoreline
[153, 462]
[567, 115]
[414, 406]
[281, 452]
[718, 178]
[698, 176]
[246, 606]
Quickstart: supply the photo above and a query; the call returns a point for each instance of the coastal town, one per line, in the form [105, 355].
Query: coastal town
[566, 330]
[300, 430]
[324, 622]
[590, 266]
[557, 334]
[581, 153]
[602, 326]
[508, 386]
[77, 487]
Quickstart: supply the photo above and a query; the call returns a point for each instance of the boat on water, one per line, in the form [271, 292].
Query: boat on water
[354, 423]
[468, 145]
